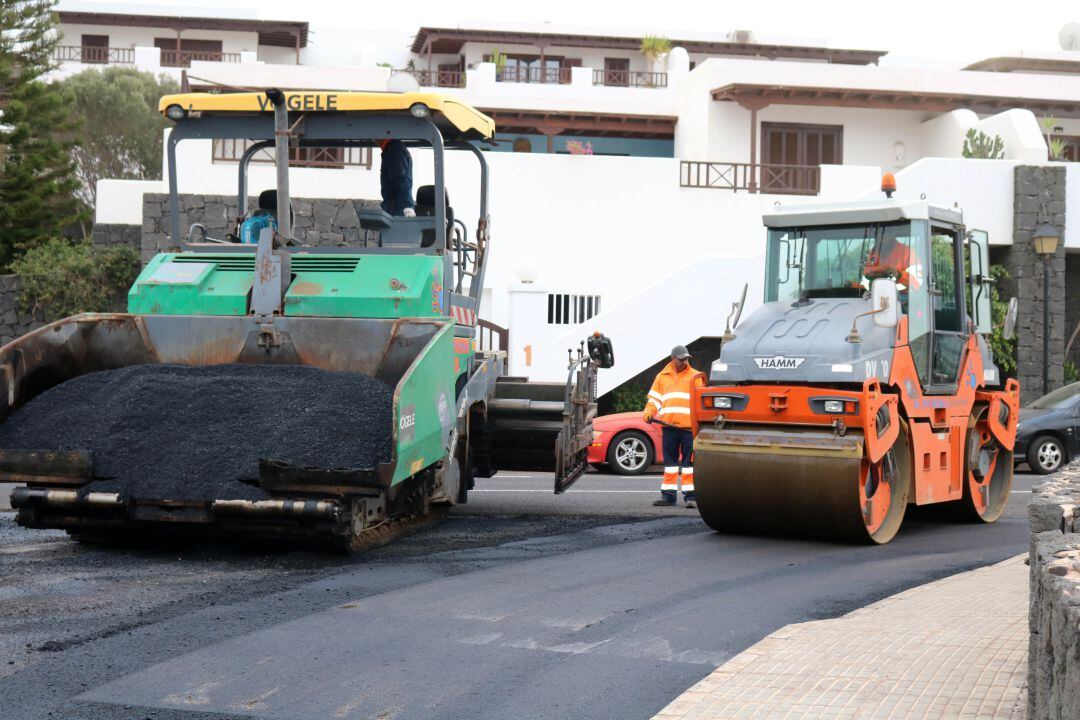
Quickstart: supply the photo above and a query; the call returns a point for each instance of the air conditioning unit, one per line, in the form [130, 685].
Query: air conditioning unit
[741, 36]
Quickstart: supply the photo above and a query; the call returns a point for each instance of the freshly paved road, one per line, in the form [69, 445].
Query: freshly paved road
[521, 605]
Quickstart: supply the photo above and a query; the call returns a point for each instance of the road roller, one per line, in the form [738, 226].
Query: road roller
[396, 302]
[863, 383]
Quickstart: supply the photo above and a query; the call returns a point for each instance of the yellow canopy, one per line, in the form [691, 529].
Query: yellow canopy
[464, 118]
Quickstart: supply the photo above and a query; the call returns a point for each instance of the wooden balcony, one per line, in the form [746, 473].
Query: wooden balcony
[94, 55]
[183, 58]
[437, 78]
[751, 177]
[630, 78]
[546, 76]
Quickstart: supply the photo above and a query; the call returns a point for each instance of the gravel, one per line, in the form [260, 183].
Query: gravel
[181, 432]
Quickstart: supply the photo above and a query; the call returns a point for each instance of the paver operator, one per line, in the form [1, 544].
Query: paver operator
[395, 179]
[669, 403]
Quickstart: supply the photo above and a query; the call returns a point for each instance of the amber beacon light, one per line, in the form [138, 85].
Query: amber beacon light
[888, 184]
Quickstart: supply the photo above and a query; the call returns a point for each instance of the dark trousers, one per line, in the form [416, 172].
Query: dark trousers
[678, 461]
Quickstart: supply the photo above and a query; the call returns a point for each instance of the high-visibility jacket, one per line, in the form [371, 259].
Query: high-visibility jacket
[669, 398]
[898, 259]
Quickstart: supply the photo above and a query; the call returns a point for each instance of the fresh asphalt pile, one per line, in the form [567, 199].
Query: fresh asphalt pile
[180, 432]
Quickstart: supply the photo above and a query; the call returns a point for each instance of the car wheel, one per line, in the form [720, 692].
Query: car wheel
[630, 453]
[1045, 455]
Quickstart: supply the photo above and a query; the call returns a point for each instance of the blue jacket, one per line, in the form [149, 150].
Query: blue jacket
[395, 178]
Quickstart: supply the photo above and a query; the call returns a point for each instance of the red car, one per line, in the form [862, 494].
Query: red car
[625, 443]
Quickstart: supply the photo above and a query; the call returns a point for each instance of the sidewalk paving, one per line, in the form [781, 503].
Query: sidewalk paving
[955, 648]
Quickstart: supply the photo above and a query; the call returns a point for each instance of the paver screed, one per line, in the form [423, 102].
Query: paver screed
[955, 648]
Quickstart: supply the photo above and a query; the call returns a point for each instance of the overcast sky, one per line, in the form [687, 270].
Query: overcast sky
[944, 32]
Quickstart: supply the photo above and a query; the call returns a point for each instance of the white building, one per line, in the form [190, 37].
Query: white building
[687, 153]
[164, 40]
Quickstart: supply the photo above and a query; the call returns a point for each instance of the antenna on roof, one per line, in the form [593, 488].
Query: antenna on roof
[1069, 36]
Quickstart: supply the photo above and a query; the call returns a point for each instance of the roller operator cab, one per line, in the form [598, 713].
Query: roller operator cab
[863, 383]
[399, 304]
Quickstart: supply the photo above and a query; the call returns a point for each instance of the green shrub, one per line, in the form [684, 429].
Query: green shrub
[1004, 350]
[629, 397]
[63, 278]
[1072, 373]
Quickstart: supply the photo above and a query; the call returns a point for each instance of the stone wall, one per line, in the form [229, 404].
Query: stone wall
[107, 235]
[1072, 307]
[1039, 198]
[14, 321]
[1054, 614]
[317, 221]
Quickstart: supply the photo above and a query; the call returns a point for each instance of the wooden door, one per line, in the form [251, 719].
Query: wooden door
[793, 147]
[617, 71]
[95, 49]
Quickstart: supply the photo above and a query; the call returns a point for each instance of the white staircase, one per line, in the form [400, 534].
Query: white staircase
[693, 301]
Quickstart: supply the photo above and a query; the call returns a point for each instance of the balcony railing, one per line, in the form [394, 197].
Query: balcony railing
[232, 150]
[551, 75]
[629, 78]
[437, 78]
[95, 55]
[183, 58]
[751, 177]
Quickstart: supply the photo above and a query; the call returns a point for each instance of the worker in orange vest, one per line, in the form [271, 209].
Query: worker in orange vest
[669, 403]
[892, 257]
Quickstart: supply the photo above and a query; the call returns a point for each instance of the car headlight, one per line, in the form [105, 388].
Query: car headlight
[596, 435]
[834, 406]
[722, 402]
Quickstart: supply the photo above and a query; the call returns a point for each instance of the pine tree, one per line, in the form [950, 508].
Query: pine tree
[37, 181]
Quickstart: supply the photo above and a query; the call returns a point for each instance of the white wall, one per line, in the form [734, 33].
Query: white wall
[943, 136]
[1020, 133]
[1072, 200]
[983, 189]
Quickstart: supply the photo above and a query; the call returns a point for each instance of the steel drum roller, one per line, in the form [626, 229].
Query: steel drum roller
[793, 481]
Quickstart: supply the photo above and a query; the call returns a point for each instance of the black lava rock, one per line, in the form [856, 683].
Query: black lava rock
[181, 432]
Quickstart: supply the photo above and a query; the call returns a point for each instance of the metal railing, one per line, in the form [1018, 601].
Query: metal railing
[232, 150]
[751, 177]
[95, 55]
[437, 78]
[629, 78]
[518, 74]
[183, 58]
[488, 332]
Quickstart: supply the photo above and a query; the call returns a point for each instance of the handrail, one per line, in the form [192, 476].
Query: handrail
[436, 78]
[630, 78]
[93, 54]
[543, 75]
[183, 58]
[487, 332]
[766, 178]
